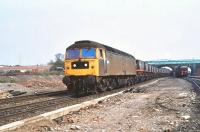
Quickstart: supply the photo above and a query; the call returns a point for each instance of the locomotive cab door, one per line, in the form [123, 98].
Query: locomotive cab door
[102, 62]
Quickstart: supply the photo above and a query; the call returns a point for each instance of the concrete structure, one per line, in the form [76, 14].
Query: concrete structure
[194, 64]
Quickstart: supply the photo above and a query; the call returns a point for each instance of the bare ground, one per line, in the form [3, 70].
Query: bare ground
[170, 104]
[31, 84]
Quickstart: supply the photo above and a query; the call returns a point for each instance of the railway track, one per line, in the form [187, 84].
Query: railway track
[194, 80]
[15, 113]
[165, 102]
[32, 97]
[25, 110]
[22, 111]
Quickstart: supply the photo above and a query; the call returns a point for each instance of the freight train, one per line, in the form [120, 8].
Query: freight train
[91, 67]
[181, 71]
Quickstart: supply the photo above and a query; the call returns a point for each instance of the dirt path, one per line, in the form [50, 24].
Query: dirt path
[167, 105]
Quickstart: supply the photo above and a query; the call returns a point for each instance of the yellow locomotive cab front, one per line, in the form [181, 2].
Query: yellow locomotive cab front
[81, 62]
[85, 67]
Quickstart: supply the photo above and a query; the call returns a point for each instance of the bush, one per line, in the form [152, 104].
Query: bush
[27, 72]
[12, 72]
[58, 64]
[7, 80]
[12, 80]
[2, 73]
[3, 81]
[51, 73]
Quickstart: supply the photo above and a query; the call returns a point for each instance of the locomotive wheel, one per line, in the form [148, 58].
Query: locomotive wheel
[70, 87]
[129, 82]
[112, 85]
[77, 87]
[95, 91]
[102, 86]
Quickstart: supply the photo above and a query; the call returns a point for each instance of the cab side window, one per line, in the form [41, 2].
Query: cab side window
[101, 53]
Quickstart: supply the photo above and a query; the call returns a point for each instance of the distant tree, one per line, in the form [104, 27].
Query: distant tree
[51, 62]
[2, 72]
[59, 56]
[58, 63]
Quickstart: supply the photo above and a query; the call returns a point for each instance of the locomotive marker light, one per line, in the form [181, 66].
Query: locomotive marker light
[108, 61]
[92, 63]
[74, 65]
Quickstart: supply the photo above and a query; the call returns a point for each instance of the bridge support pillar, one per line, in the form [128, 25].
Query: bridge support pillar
[194, 70]
[198, 70]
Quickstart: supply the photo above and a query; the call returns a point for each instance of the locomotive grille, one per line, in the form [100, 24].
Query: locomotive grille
[80, 65]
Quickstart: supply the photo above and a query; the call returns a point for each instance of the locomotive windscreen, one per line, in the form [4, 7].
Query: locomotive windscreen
[73, 54]
[86, 53]
[89, 53]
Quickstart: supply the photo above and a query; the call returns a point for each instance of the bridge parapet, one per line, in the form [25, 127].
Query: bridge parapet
[194, 64]
[174, 62]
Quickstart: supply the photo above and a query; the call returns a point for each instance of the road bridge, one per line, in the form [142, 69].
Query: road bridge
[194, 64]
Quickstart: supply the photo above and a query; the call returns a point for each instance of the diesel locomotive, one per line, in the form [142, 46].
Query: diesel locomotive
[92, 67]
[181, 71]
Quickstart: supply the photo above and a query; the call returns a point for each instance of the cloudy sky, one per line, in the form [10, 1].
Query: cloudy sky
[32, 31]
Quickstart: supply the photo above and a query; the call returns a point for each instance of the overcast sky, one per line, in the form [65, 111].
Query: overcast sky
[32, 31]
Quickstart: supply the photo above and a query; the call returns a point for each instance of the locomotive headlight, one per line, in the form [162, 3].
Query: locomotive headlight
[74, 65]
[85, 64]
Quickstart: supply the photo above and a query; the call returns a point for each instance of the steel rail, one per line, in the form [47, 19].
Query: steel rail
[195, 80]
[30, 97]
[14, 113]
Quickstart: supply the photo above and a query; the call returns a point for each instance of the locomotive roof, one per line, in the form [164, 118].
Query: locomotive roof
[88, 43]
